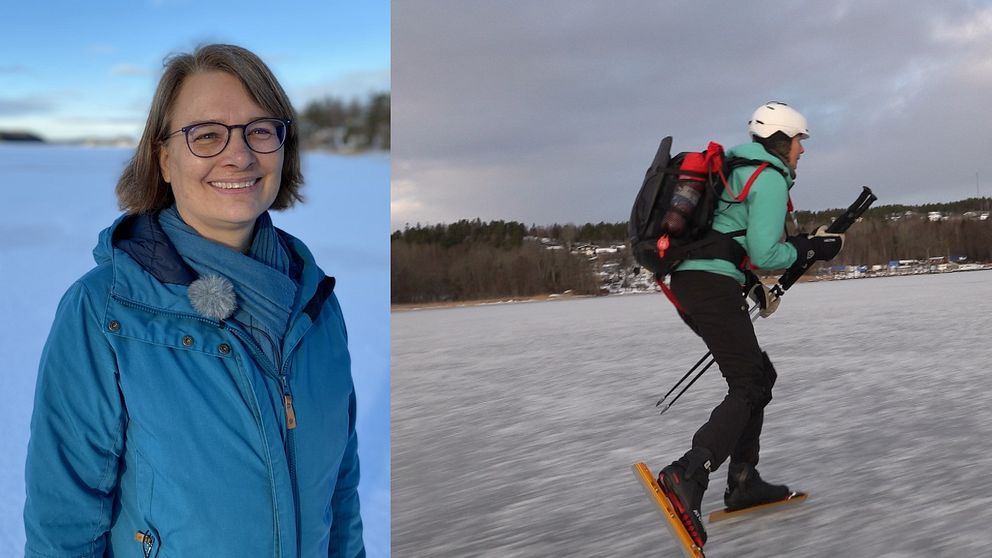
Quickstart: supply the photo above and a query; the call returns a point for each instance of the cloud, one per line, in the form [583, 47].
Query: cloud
[403, 204]
[129, 70]
[551, 111]
[25, 105]
[135, 120]
[977, 27]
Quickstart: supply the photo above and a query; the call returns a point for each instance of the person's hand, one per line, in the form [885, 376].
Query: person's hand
[819, 246]
[766, 300]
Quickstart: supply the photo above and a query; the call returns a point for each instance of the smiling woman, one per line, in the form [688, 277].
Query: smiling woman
[221, 186]
[195, 393]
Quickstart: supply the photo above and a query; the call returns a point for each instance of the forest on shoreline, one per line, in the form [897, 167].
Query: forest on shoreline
[473, 259]
[329, 124]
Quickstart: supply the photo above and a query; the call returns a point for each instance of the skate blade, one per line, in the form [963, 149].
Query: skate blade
[667, 510]
[793, 498]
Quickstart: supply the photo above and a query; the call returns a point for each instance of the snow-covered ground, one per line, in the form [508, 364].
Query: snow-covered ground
[515, 426]
[55, 202]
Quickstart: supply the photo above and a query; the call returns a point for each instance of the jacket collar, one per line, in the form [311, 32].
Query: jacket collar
[141, 237]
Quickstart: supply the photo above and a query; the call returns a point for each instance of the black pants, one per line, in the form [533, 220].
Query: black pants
[717, 312]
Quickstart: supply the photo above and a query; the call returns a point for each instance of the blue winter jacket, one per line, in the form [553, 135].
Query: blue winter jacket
[158, 432]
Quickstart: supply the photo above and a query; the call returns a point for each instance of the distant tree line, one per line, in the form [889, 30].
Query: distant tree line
[588, 233]
[471, 260]
[887, 233]
[20, 136]
[498, 234]
[475, 259]
[339, 125]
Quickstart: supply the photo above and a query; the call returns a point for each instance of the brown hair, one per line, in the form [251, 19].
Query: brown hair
[141, 188]
[778, 144]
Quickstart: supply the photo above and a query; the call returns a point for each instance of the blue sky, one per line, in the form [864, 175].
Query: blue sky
[74, 69]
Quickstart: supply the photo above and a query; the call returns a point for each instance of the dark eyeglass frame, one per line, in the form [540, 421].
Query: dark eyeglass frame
[230, 129]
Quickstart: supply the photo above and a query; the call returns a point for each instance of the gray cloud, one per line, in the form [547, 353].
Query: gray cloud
[550, 111]
[25, 105]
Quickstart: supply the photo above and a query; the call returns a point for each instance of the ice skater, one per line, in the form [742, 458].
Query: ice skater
[709, 292]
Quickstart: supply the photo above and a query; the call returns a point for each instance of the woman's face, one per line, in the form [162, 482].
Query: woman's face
[221, 196]
[796, 149]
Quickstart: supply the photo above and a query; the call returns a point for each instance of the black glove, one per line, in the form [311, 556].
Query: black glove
[819, 246]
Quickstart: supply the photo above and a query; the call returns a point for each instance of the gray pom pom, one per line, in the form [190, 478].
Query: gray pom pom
[213, 296]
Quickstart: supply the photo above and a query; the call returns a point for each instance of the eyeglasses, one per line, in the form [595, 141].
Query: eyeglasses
[209, 139]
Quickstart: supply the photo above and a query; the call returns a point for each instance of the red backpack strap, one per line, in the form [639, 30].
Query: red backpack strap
[750, 182]
[671, 296]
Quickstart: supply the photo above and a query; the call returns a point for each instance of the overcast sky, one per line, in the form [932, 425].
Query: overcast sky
[550, 111]
[80, 69]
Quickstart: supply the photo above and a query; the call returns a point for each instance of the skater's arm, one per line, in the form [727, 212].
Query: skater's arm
[766, 204]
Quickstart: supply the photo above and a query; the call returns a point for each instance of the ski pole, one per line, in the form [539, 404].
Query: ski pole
[789, 278]
[678, 383]
[695, 366]
[754, 316]
[689, 385]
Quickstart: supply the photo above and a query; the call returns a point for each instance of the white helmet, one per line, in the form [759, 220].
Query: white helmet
[774, 116]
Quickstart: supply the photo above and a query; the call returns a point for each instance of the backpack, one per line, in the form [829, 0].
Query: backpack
[672, 216]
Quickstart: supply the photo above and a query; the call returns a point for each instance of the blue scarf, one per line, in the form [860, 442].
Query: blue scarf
[265, 292]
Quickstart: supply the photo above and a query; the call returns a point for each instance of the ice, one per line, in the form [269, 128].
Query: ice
[515, 426]
[56, 200]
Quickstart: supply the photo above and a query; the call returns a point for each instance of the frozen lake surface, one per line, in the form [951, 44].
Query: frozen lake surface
[58, 198]
[515, 426]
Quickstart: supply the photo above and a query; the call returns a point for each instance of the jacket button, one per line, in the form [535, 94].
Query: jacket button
[114, 325]
[188, 341]
[224, 348]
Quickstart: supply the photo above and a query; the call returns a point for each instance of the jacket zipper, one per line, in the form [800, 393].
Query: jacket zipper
[147, 542]
[291, 434]
[287, 397]
[291, 455]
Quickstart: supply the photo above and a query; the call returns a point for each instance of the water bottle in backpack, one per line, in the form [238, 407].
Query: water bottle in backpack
[685, 196]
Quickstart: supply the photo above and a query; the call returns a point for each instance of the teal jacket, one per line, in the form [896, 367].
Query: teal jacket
[158, 433]
[762, 214]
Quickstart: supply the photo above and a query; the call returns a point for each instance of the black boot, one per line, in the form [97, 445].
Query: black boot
[745, 488]
[684, 482]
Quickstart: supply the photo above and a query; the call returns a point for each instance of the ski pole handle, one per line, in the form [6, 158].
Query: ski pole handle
[840, 225]
[849, 217]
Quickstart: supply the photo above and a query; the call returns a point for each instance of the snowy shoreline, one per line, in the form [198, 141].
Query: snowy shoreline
[413, 307]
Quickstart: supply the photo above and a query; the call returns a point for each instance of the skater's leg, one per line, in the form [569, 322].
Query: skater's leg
[748, 446]
[745, 487]
[718, 311]
[746, 450]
